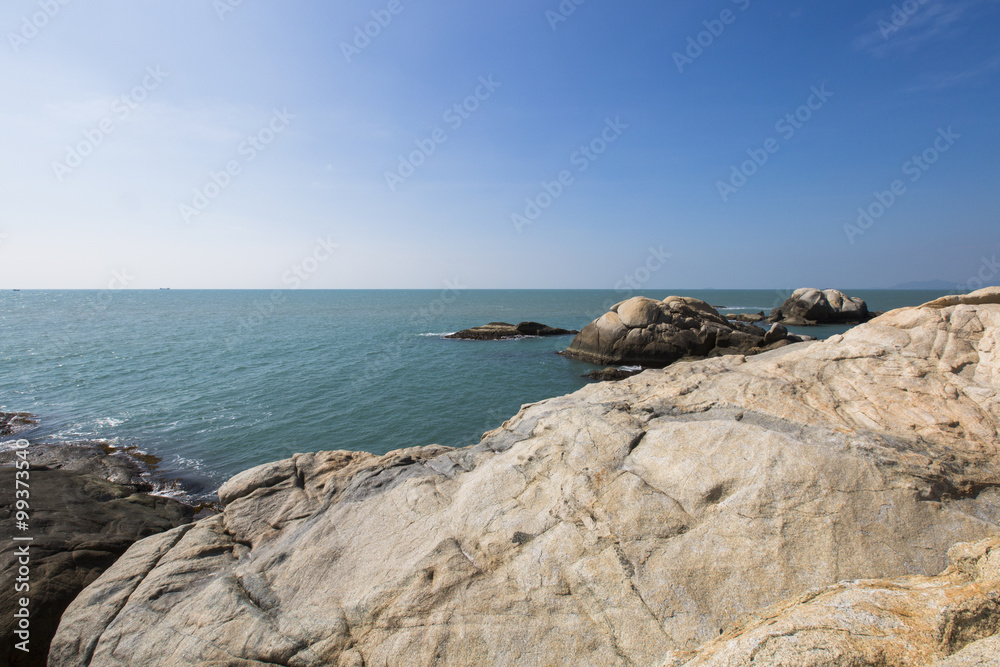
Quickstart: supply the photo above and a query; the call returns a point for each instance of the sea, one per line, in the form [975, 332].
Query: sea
[215, 382]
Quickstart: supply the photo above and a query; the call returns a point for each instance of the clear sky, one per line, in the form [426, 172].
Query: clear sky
[156, 143]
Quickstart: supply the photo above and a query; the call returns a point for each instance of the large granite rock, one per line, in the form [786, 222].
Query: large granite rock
[503, 331]
[809, 306]
[612, 526]
[652, 333]
[950, 620]
[80, 523]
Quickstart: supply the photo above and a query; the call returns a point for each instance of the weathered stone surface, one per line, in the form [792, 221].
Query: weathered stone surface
[908, 621]
[503, 330]
[808, 306]
[80, 525]
[646, 332]
[612, 526]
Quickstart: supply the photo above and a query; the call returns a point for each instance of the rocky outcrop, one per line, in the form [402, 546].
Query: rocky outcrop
[624, 524]
[612, 374]
[12, 423]
[503, 331]
[809, 306]
[652, 333]
[948, 620]
[80, 523]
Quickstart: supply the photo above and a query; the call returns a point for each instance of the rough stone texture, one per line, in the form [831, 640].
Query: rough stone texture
[809, 306]
[80, 525]
[503, 330]
[651, 333]
[907, 621]
[95, 459]
[608, 527]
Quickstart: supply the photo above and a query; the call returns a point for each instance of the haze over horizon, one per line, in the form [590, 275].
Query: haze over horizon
[730, 144]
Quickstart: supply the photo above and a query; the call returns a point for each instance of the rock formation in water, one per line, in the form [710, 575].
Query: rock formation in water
[809, 306]
[629, 523]
[503, 331]
[12, 423]
[652, 333]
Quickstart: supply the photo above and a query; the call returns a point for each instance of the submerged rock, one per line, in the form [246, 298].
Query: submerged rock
[625, 524]
[809, 306]
[654, 333]
[503, 330]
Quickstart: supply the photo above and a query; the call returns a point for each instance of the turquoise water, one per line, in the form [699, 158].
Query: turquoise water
[215, 382]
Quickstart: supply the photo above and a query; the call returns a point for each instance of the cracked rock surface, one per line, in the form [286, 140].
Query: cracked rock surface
[629, 523]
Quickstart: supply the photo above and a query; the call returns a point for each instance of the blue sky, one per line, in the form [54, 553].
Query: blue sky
[155, 99]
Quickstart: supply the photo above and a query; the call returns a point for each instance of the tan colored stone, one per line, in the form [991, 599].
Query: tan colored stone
[612, 526]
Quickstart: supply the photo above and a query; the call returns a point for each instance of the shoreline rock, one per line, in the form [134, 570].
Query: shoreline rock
[949, 619]
[505, 331]
[87, 507]
[623, 524]
[611, 374]
[655, 334]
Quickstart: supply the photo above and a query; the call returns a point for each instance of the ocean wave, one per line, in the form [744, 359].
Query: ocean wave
[446, 333]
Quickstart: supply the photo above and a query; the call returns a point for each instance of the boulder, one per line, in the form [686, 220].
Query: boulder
[503, 331]
[646, 332]
[629, 523]
[809, 306]
[80, 525]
